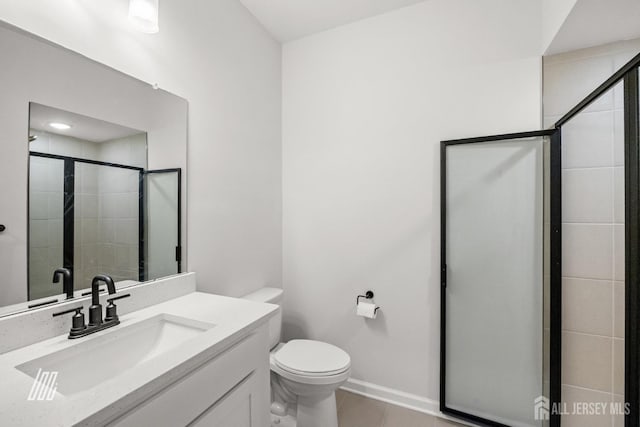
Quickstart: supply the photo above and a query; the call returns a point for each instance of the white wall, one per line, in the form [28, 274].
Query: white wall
[554, 14]
[364, 109]
[214, 54]
[615, 20]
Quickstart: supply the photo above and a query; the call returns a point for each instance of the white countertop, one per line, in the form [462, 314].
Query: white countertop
[234, 319]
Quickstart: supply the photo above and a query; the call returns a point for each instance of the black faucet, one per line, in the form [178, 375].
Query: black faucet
[95, 311]
[96, 323]
[67, 280]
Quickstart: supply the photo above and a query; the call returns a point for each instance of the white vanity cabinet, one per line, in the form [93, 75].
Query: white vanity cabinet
[229, 390]
[196, 360]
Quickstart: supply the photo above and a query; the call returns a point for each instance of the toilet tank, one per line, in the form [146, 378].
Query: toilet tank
[271, 296]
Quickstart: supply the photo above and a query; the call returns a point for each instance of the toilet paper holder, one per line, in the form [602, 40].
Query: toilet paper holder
[367, 295]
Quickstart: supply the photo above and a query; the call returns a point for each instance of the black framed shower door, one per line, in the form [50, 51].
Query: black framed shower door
[68, 214]
[146, 231]
[481, 213]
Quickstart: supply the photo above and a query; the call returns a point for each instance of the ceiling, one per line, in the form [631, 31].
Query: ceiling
[597, 22]
[288, 20]
[82, 127]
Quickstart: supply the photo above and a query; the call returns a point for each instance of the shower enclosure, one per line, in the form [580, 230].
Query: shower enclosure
[500, 230]
[527, 220]
[94, 217]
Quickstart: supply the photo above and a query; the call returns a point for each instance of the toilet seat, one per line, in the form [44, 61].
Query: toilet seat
[310, 361]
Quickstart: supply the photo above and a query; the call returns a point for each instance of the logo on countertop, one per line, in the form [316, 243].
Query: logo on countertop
[44, 385]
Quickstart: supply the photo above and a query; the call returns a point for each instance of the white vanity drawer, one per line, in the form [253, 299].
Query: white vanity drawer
[238, 408]
[185, 400]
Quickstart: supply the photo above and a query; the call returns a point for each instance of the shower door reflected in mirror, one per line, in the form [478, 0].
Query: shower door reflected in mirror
[497, 211]
[162, 252]
[88, 212]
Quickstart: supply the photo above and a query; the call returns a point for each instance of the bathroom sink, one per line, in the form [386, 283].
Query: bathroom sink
[113, 353]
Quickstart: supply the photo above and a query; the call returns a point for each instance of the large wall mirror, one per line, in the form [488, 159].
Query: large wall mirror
[92, 175]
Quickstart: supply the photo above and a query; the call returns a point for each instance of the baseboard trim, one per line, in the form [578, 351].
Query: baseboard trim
[398, 398]
[395, 397]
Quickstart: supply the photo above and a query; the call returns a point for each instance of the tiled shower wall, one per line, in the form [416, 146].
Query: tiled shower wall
[106, 211]
[118, 206]
[87, 225]
[593, 226]
[45, 224]
[118, 223]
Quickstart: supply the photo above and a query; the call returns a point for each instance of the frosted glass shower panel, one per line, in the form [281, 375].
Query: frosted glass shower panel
[494, 290]
[162, 219]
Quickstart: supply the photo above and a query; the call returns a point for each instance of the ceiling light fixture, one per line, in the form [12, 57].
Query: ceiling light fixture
[144, 15]
[60, 126]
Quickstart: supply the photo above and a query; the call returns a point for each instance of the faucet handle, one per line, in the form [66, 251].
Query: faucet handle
[77, 324]
[71, 310]
[112, 313]
[110, 300]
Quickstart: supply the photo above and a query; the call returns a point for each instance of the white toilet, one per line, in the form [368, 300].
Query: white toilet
[304, 374]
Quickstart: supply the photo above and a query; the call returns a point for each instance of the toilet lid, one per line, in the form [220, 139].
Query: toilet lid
[312, 358]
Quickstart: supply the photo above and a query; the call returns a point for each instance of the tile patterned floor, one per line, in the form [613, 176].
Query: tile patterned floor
[358, 411]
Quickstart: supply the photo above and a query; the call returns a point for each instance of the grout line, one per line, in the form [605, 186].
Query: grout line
[586, 388]
[587, 168]
[590, 168]
[589, 334]
[610, 280]
[592, 223]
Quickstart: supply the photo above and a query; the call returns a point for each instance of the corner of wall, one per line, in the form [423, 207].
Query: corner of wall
[554, 15]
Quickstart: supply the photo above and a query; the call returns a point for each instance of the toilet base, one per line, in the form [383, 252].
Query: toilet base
[314, 412]
[284, 421]
[310, 413]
